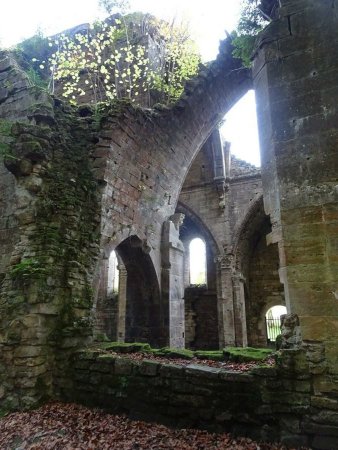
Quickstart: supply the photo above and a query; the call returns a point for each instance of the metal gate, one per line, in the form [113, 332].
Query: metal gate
[272, 328]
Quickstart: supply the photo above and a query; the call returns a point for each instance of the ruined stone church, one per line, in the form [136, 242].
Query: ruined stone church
[145, 182]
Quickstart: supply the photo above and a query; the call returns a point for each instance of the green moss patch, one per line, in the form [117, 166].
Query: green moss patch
[232, 354]
[213, 355]
[175, 353]
[3, 413]
[124, 347]
[246, 354]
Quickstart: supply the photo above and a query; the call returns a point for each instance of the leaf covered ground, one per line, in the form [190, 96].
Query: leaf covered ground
[227, 365]
[61, 426]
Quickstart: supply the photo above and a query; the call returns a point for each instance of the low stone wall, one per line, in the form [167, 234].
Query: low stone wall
[266, 403]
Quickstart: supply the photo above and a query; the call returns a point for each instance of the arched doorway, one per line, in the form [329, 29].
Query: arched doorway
[130, 308]
[143, 316]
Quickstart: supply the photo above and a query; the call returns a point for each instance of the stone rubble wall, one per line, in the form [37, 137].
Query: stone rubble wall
[201, 330]
[240, 168]
[266, 403]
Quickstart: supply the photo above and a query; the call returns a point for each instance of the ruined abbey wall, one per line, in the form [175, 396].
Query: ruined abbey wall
[76, 185]
[87, 183]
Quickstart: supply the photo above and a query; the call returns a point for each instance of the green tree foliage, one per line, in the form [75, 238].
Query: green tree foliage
[112, 59]
[101, 60]
[178, 61]
[32, 55]
[111, 6]
[250, 24]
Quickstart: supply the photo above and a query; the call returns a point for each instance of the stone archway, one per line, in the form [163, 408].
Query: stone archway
[143, 314]
[258, 265]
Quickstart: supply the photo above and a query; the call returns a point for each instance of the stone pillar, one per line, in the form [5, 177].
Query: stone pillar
[173, 279]
[218, 155]
[186, 275]
[225, 265]
[296, 82]
[239, 309]
[225, 301]
[122, 302]
[227, 159]
[103, 287]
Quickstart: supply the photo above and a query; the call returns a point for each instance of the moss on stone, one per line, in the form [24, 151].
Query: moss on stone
[101, 337]
[6, 138]
[246, 354]
[4, 412]
[214, 355]
[235, 354]
[169, 352]
[5, 127]
[27, 268]
[124, 347]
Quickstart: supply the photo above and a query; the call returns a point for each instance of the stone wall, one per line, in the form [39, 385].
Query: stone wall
[46, 288]
[201, 331]
[8, 222]
[295, 76]
[265, 403]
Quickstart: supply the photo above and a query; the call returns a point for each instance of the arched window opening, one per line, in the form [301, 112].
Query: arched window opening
[113, 274]
[197, 257]
[273, 321]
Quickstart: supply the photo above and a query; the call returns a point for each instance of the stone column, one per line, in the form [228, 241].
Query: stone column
[173, 279]
[225, 264]
[101, 296]
[186, 275]
[218, 155]
[122, 302]
[296, 81]
[225, 300]
[103, 287]
[239, 309]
